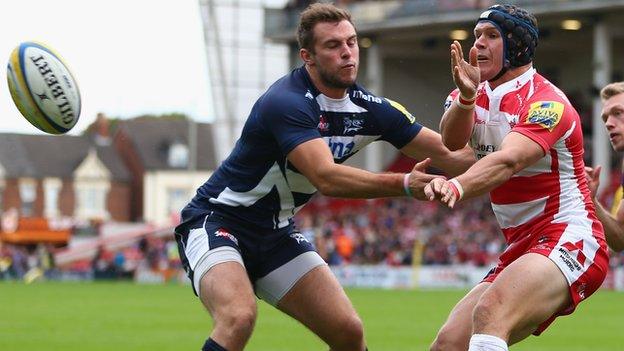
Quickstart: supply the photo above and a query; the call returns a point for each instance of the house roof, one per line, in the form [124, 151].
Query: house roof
[152, 138]
[39, 156]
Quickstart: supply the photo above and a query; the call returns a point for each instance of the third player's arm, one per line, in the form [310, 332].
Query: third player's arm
[613, 226]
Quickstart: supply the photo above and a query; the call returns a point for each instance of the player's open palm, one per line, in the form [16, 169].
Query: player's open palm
[466, 75]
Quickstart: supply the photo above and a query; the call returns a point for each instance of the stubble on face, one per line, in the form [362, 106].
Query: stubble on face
[336, 54]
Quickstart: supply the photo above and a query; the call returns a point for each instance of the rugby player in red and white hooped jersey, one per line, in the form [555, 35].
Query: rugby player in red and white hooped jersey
[529, 143]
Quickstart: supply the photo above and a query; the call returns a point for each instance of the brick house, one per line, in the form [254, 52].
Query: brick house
[44, 176]
[165, 168]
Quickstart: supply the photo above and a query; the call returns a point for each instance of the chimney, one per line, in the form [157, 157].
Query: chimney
[102, 132]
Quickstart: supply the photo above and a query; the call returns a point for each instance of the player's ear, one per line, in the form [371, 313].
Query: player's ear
[306, 56]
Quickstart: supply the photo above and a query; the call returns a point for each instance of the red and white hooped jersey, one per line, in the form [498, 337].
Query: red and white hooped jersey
[553, 192]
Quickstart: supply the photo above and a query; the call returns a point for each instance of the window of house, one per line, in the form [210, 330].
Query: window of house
[178, 155]
[177, 198]
[92, 200]
[28, 194]
[51, 197]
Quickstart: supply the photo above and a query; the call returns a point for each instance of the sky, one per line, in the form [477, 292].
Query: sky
[129, 57]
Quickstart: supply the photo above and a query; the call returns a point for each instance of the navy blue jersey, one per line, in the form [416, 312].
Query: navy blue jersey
[256, 183]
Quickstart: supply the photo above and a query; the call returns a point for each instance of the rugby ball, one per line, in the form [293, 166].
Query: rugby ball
[43, 88]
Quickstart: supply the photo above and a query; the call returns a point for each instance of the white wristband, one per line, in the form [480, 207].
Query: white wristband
[459, 187]
[406, 186]
[463, 105]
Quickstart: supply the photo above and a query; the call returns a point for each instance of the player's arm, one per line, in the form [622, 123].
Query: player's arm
[428, 143]
[456, 126]
[517, 152]
[613, 225]
[458, 120]
[315, 161]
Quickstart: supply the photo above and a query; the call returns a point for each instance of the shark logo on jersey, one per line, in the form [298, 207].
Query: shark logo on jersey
[352, 125]
[309, 95]
[299, 237]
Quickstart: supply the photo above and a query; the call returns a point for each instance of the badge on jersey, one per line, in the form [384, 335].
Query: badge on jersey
[545, 113]
[403, 110]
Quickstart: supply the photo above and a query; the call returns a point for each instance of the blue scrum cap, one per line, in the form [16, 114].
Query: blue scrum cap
[519, 30]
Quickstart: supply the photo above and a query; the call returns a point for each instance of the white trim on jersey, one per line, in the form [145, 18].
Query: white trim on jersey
[273, 178]
[571, 205]
[299, 183]
[338, 105]
[518, 213]
[196, 245]
[539, 167]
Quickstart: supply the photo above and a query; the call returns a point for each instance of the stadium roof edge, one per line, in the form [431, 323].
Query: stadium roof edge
[286, 35]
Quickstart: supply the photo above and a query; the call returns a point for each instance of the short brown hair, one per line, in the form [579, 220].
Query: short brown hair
[611, 90]
[318, 13]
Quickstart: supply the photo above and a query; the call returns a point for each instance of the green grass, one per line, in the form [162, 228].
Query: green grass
[125, 316]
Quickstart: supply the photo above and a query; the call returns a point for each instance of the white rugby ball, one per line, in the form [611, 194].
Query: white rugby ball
[43, 88]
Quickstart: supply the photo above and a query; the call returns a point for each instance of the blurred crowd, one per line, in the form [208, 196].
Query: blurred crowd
[401, 231]
[393, 232]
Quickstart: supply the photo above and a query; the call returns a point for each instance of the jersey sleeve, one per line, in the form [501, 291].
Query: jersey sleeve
[398, 126]
[545, 122]
[449, 99]
[290, 122]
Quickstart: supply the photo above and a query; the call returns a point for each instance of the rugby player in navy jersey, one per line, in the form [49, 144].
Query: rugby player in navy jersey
[237, 238]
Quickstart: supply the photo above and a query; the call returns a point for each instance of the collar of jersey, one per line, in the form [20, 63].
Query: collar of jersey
[511, 85]
[308, 80]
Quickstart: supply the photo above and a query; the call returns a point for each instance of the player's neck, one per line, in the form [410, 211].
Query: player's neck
[334, 93]
[511, 74]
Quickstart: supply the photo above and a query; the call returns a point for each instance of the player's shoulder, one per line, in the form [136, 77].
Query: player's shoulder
[548, 105]
[544, 90]
[377, 105]
[290, 92]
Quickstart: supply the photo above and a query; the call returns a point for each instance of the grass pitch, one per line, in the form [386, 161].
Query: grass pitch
[126, 316]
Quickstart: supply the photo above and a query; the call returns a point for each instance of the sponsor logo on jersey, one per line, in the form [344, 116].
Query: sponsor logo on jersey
[566, 251]
[545, 113]
[361, 95]
[340, 149]
[352, 125]
[485, 148]
[222, 232]
[571, 247]
[403, 110]
[447, 104]
[581, 290]
[299, 237]
[323, 124]
[309, 95]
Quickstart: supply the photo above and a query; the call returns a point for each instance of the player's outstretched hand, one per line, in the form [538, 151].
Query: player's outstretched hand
[593, 179]
[440, 189]
[466, 75]
[418, 179]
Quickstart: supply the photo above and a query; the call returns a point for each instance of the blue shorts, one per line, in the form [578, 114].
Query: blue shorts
[285, 251]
